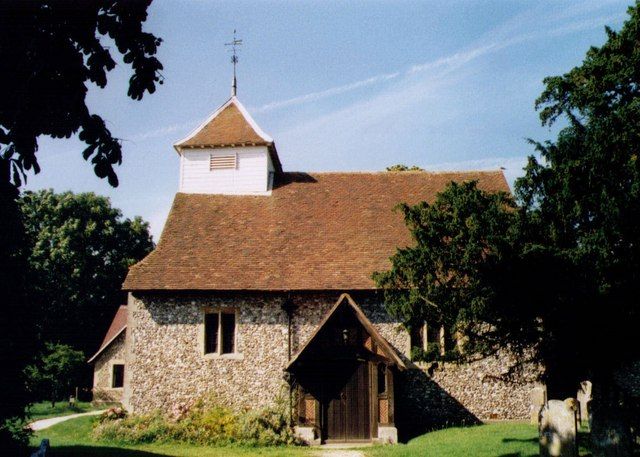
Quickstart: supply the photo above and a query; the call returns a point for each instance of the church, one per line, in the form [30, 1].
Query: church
[261, 288]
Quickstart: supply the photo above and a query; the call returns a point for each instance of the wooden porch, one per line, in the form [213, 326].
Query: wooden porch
[344, 380]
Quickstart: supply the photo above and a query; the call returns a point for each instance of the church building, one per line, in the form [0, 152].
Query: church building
[261, 288]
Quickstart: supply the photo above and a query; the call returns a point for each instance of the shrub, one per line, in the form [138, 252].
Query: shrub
[268, 427]
[205, 422]
[112, 414]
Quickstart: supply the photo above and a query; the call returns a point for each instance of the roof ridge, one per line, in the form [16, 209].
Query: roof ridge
[386, 172]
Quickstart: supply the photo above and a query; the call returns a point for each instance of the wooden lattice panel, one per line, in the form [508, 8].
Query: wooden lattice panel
[383, 411]
[368, 343]
[310, 409]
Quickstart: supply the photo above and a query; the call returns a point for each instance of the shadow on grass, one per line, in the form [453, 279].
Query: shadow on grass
[106, 451]
[518, 454]
[520, 440]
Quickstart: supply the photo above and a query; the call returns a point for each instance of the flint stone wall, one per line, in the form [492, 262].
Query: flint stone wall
[166, 361]
[102, 374]
[167, 366]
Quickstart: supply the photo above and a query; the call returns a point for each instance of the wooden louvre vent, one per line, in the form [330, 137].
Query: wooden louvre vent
[222, 162]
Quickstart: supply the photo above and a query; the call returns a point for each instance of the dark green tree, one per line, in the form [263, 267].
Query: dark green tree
[584, 196]
[78, 250]
[564, 280]
[53, 52]
[478, 268]
[448, 277]
[57, 371]
[17, 335]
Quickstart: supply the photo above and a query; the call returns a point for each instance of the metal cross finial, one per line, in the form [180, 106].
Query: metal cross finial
[234, 60]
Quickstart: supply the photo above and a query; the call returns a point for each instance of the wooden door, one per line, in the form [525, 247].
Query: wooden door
[346, 406]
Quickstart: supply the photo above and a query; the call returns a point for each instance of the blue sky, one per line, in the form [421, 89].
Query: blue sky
[340, 86]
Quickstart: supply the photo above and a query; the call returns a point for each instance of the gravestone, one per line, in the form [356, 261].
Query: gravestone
[584, 397]
[557, 429]
[43, 450]
[538, 399]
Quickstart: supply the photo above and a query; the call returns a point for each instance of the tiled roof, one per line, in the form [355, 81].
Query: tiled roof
[231, 125]
[320, 231]
[118, 324]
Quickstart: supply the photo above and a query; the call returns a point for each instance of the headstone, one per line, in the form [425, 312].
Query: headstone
[43, 450]
[557, 429]
[538, 399]
[584, 397]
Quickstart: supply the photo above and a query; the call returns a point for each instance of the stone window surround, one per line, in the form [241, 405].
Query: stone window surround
[112, 363]
[201, 334]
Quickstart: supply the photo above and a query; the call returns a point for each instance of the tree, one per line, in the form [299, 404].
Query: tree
[16, 330]
[585, 197]
[54, 49]
[78, 249]
[402, 167]
[454, 274]
[56, 372]
[564, 279]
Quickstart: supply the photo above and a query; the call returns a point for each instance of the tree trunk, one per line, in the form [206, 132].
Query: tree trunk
[609, 420]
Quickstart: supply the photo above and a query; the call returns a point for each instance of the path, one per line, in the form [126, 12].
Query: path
[340, 450]
[46, 423]
[339, 453]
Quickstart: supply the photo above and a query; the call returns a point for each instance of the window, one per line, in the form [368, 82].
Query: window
[117, 377]
[222, 162]
[220, 332]
[211, 326]
[429, 342]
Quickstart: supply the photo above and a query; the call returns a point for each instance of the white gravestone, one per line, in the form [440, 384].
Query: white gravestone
[557, 429]
[538, 399]
[584, 397]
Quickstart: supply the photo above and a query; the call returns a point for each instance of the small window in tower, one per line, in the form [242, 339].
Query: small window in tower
[223, 161]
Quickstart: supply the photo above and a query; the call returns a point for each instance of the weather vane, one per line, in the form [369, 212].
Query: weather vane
[234, 60]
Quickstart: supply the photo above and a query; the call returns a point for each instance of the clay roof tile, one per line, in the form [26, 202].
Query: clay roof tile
[318, 231]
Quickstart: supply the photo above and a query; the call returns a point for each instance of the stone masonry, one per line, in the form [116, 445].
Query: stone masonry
[167, 366]
[102, 375]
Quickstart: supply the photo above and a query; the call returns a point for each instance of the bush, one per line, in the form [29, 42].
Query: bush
[112, 414]
[268, 427]
[205, 423]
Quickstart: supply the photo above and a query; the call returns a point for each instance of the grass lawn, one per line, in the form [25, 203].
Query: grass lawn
[499, 439]
[44, 410]
[504, 439]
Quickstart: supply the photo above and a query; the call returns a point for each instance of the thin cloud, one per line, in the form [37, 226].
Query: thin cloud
[164, 130]
[328, 92]
[448, 62]
[454, 60]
